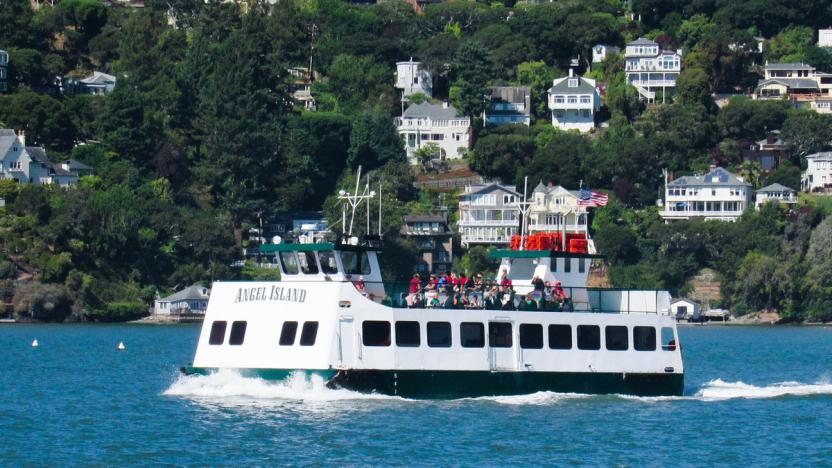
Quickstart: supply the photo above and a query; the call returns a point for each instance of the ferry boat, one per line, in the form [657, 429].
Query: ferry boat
[331, 315]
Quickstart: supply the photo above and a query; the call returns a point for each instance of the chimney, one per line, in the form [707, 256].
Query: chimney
[444, 104]
[549, 184]
[711, 167]
[21, 137]
[771, 138]
[571, 72]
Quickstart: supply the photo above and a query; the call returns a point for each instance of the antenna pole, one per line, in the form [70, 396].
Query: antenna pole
[379, 207]
[353, 201]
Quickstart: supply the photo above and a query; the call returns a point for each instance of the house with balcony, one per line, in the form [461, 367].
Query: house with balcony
[798, 82]
[434, 241]
[556, 209]
[650, 69]
[767, 152]
[4, 71]
[509, 105]
[301, 85]
[488, 214]
[775, 193]
[29, 164]
[817, 178]
[602, 51]
[574, 100]
[717, 195]
[412, 77]
[439, 124]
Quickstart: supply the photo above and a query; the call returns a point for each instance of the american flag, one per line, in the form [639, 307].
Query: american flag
[588, 198]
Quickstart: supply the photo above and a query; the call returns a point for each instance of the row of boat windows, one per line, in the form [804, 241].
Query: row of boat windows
[472, 335]
[308, 333]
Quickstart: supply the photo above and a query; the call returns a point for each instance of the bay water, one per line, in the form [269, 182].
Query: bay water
[755, 396]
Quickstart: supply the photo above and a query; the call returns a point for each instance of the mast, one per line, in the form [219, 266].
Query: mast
[524, 207]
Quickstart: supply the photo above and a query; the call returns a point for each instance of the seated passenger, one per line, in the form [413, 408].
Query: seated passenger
[537, 283]
[434, 302]
[359, 285]
[415, 283]
[505, 282]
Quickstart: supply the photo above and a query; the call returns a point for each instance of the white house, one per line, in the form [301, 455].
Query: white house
[302, 87]
[685, 309]
[488, 214]
[802, 84]
[4, 71]
[717, 195]
[191, 300]
[556, 209]
[601, 51]
[440, 124]
[825, 37]
[412, 77]
[775, 192]
[29, 164]
[509, 105]
[818, 175]
[97, 83]
[573, 101]
[650, 69]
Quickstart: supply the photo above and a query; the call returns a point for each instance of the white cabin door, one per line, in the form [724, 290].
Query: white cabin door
[502, 345]
[346, 341]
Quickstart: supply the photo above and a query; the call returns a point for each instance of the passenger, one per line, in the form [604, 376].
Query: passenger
[530, 303]
[458, 302]
[416, 301]
[359, 285]
[478, 283]
[434, 303]
[442, 283]
[463, 282]
[537, 283]
[504, 281]
[415, 283]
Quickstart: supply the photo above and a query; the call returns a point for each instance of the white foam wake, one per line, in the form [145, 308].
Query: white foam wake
[720, 390]
[537, 398]
[230, 384]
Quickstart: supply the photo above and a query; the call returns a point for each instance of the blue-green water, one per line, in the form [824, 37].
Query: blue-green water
[755, 396]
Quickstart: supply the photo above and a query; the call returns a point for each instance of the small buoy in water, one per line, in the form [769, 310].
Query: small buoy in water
[121, 346]
[35, 344]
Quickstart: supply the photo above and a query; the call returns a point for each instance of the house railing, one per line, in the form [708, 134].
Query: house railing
[489, 222]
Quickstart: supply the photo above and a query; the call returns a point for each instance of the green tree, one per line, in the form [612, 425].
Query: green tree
[806, 132]
[374, 140]
[473, 67]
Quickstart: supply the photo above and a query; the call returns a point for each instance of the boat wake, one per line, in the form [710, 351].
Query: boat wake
[717, 390]
[537, 398]
[227, 384]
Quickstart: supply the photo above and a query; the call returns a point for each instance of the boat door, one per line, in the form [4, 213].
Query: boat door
[346, 340]
[502, 345]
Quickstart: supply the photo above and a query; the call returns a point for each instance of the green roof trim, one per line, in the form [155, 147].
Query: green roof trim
[506, 253]
[268, 248]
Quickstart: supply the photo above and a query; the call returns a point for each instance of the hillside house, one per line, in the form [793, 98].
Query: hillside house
[29, 164]
[767, 152]
[412, 77]
[96, 84]
[4, 71]
[488, 214]
[439, 124]
[817, 178]
[434, 241]
[189, 301]
[718, 195]
[825, 37]
[800, 83]
[775, 192]
[302, 87]
[650, 69]
[574, 100]
[556, 209]
[602, 51]
[508, 105]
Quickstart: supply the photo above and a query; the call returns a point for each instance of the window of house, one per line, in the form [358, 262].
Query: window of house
[589, 337]
[287, 334]
[439, 334]
[217, 336]
[531, 336]
[375, 333]
[328, 264]
[616, 338]
[668, 339]
[355, 263]
[499, 335]
[559, 99]
[289, 262]
[472, 334]
[585, 100]
[238, 333]
[309, 333]
[572, 99]
[572, 83]
[560, 337]
[308, 265]
[644, 338]
[407, 334]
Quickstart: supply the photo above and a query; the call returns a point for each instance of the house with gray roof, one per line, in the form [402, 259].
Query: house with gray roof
[802, 84]
[509, 105]
[29, 164]
[4, 71]
[438, 126]
[189, 301]
[574, 100]
[775, 193]
[651, 69]
[97, 83]
[716, 195]
[817, 178]
[488, 214]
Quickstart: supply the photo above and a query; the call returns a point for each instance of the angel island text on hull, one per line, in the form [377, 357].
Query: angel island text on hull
[534, 327]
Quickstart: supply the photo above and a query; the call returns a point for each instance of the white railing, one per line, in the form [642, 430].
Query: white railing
[489, 222]
[653, 83]
[473, 239]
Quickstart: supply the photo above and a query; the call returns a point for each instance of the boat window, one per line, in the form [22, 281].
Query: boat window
[407, 334]
[355, 263]
[308, 265]
[531, 336]
[553, 265]
[217, 333]
[560, 337]
[668, 340]
[287, 334]
[289, 262]
[439, 334]
[582, 265]
[499, 334]
[567, 265]
[616, 338]
[589, 337]
[238, 333]
[644, 338]
[309, 333]
[375, 333]
[328, 265]
[472, 335]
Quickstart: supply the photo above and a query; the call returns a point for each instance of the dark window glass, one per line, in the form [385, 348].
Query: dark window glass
[327, 259]
[289, 261]
[582, 265]
[644, 338]
[217, 333]
[308, 264]
[355, 263]
[472, 335]
[567, 265]
[376, 333]
[531, 336]
[439, 334]
[560, 337]
[309, 333]
[616, 338]
[407, 334]
[589, 337]
[238, 333]
[499, 334]
[287, 334]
